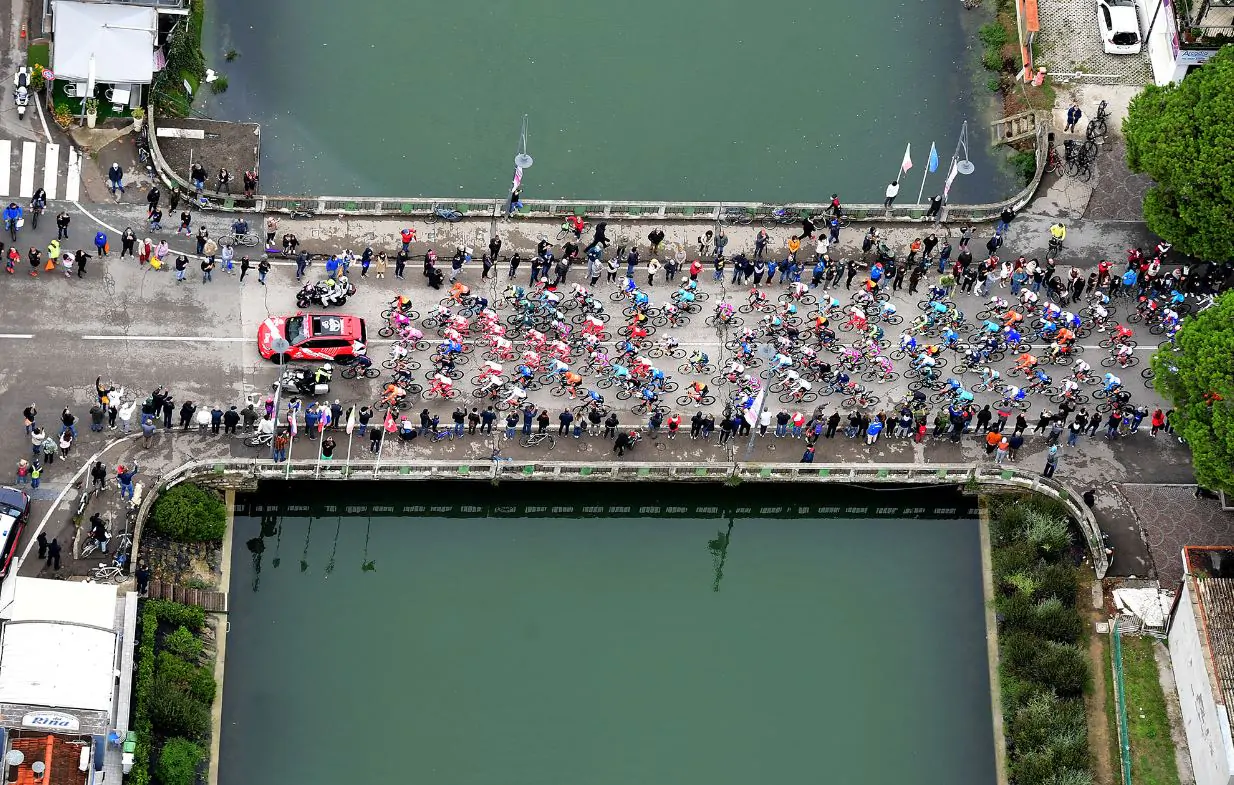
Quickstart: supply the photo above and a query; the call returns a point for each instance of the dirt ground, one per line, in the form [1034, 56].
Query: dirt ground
[1101, 742]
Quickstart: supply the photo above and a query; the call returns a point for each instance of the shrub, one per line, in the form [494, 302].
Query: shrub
[177, 615]
[184, 644]
[178, 762]
[175, 713]
[196, 680]
[1014, 611]
[1025, 165]
[1017, 692]
[188, 513]
[1024, 583]
[992, 59]
[1057, 622]
[993, 35]
[1049, 533]
[1019, 557]
[1062, 666]
[1058, 580]
[219, 85]
[1019, 649]
[1006, 521]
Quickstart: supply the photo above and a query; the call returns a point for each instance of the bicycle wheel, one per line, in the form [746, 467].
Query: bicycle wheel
[1086, 172]
[347, 372]
[1088, 152]
[1072, 169]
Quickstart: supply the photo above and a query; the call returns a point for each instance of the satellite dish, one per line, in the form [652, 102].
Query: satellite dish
[965, 167]
[523, 160]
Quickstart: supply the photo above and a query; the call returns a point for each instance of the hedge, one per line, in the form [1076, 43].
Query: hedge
[1043, 665]
[189, 513]
[189, 687]
[178, 762]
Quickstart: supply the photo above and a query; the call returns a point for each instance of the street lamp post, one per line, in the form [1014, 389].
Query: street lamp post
[279, 346]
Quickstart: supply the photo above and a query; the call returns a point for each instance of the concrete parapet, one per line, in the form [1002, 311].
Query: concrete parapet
[492, 209]
[233, 473]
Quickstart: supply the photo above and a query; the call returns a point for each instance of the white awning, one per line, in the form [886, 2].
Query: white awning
[120, 37]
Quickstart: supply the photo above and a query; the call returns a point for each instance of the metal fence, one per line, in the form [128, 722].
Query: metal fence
[533, 209]
[232, 472]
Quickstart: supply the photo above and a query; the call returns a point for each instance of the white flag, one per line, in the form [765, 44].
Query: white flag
[950, 176]
[351, 420]
[907, 163]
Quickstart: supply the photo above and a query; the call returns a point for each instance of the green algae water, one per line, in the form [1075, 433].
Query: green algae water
[557, 635]
[726, 100]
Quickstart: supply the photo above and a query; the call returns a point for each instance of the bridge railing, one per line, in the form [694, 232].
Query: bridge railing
[974, 476]
[550, 209]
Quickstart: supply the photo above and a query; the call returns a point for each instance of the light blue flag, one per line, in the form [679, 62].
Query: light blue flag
[933, 164]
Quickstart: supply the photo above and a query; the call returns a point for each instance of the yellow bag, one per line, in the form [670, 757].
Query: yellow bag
[155, 263]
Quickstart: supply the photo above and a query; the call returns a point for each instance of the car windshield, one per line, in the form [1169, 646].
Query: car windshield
[9, 510]
[294, 327]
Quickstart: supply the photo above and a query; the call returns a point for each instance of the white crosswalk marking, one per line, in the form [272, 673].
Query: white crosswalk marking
[6, 150]
[26, 185]
[50, 166]
[72, 183]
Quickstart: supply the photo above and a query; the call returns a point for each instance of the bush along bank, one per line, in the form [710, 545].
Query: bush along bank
[173, 690]
[1043, 665]
[181, 540]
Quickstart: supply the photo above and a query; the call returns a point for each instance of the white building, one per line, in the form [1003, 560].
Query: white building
[65, 676]
[1183, 34]
[1201, 639]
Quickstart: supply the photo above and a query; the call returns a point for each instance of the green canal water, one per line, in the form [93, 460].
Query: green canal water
[571, 637]
[727, 100]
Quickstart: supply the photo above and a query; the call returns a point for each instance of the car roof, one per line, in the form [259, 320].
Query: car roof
[12, 497]
[333, 324]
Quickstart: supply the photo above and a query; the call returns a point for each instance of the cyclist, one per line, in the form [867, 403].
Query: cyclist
[1080, 369]
[1012, 318]
[12, 215]
[392, 395]
[699, 359]
[1121, 334]
[1013, 394]
[908, 343]
[1123, 354]
[571, 382]
[38, 203]
[989, 376]
[401, 304]
[1040, 379]
[1112, 382]
[1026, 363]
[1099, 316]
[1013, 336]
[1058, 234]
[1070, 387]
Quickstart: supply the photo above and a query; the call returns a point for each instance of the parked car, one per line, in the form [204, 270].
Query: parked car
[1119, 24]
[14, 511]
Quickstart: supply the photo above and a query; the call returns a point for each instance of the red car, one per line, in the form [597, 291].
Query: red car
[312, 336]
[14, 510]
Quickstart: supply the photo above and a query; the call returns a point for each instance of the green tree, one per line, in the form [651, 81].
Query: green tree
[178, 762]
[1199, 381]
[1179, 135]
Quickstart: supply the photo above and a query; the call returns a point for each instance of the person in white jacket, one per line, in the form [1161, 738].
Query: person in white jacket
[125, 413]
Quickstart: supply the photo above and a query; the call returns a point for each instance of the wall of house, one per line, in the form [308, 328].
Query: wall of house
[1206, 722]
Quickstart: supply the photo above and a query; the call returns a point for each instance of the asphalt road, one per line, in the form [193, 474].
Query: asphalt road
[139, 328]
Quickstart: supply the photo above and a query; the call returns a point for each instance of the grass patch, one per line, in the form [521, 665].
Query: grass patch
[1152, 748]
[38, 54]
[219, 85]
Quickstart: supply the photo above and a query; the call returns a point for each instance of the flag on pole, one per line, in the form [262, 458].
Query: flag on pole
[391, 426]
[324, 422]
[351, 420]
[291, 423]
[950, 176]
[933, 164]
[518, 178]
[907, 163]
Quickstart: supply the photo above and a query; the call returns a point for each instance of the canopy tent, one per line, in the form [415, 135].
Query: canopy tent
[119, 37]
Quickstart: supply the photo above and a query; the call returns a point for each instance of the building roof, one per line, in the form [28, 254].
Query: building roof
[120, 38]
[57, 645]
[1210, 570]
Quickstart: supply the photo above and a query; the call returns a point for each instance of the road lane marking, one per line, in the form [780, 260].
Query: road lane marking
[72, 183]
[167, 338]
[26, 186]
[17, 336]
[51, 166]
[6, 165]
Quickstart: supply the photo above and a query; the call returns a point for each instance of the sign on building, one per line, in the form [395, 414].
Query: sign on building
[50, 720]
